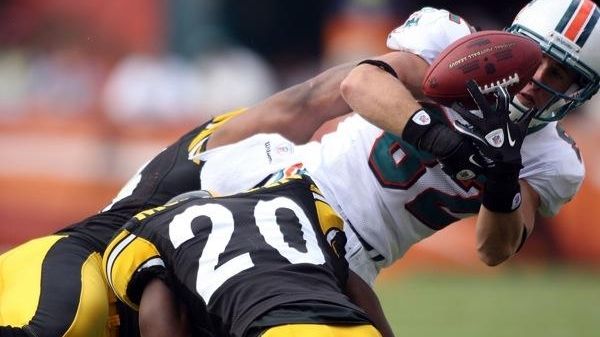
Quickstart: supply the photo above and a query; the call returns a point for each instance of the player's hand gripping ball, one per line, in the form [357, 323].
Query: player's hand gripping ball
[490, 58]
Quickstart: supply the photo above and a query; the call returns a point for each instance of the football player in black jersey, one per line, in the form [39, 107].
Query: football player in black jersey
[268, 262]
[53, 286]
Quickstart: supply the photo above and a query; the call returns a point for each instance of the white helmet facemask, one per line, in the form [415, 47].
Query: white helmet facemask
[567, 31]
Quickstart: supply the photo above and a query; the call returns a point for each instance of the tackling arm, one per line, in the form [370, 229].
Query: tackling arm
[296, 113]
[363, 295]
[160, 314]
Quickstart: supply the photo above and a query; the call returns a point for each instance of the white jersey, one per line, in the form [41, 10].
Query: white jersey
[427, 32]
[392, 195]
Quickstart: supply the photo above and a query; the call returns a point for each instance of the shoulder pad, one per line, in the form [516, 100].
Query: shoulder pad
[427, 32]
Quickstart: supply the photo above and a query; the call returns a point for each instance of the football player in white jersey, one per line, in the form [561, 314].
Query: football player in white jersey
[392, 193]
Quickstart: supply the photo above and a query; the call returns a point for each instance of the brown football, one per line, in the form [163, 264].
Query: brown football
[490, 58]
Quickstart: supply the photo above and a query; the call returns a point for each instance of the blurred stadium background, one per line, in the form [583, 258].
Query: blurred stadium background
[89, 90]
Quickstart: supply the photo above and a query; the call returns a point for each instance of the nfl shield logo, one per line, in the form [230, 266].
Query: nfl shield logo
[495, 138]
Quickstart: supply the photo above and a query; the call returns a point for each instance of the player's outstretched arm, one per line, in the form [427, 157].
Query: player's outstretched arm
[296, 113]
[508, 205]
[363, 295]
[160, 314]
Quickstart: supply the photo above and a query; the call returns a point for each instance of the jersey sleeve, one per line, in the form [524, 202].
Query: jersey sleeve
[427, 32]
[241, 166]
[129, 262]
[553, 167]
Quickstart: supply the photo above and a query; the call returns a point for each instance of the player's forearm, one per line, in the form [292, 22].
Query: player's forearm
[498, 235]
[296, 112]
[379, 98]
[321, 94]
[305, 107]
[501, 235]
[363, 295]
[160, 314]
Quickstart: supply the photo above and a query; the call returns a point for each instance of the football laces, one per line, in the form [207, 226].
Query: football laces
[504, 83]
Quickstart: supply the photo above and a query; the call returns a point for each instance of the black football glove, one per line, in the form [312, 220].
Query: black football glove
[498, 140]
[497, 137]
[465, 162]
[455, 152]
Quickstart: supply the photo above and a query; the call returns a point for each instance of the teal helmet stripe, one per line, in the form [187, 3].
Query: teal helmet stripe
[454, 18]
[589, 27]
[562, 24]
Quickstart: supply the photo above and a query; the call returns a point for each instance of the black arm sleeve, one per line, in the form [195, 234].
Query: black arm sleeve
[381, 65]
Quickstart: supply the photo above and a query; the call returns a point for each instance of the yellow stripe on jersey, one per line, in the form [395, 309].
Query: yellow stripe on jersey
[125, 255]
[332, 224]
[315, 189]
[20, 279]
[195, 146]
[91, 318]
[331, 330]
[328, 217]
[151, 211]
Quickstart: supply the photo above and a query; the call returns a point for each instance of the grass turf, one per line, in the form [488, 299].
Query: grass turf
[551, 303]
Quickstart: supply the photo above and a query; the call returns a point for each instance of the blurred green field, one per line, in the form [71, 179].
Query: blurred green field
[552, 303]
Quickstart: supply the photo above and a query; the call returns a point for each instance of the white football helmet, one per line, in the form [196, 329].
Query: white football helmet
[569, 32]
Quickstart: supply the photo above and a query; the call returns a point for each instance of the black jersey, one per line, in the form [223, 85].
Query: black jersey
[168, 174]
[246, 259]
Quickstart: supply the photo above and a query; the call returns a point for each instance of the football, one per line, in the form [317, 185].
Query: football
[491, 58]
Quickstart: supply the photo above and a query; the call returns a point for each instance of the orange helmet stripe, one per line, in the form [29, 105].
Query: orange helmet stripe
[581, 17]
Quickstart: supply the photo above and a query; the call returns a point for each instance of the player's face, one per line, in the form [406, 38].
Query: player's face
[550, 73]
